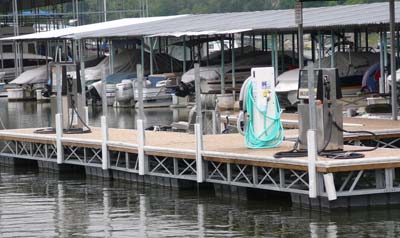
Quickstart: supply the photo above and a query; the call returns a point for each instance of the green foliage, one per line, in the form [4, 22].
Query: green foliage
[173, 7]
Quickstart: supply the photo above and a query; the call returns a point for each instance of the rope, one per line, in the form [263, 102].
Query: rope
[272, 135]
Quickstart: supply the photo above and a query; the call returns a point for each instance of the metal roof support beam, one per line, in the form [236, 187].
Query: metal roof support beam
[282, 43]
[320, 49]
[263, 42]
[274, 54]
[151, 56]
[333, 49]
[293, 49]
[312, 36]
[142, 54]
[233, 65]
[208, 51]
[83, 79]
[222, 65]
[112, 56]
[184, 54]
[382, 65]
[241, 43]
[385, 60]
[393, 60]
[299, 22]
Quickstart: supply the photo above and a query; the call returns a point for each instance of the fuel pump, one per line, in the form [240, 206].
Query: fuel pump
[66, 98]
[260, 114]
[328, 111]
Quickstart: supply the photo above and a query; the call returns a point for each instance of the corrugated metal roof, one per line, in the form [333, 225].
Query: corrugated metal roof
[360, 15]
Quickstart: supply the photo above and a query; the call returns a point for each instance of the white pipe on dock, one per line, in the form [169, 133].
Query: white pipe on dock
[59, 134]
[199, 148]
[143, 166]
[312, 135]
[330, 186]
[104, 151]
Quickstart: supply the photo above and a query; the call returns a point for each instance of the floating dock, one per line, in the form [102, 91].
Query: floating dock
[176, 159]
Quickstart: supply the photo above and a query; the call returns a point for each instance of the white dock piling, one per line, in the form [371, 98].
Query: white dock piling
[330, 186]
[59, 134]
[199, 150]
[104, 151]
[143, 166]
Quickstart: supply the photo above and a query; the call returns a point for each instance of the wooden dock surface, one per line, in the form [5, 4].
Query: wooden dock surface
[229, 148]
[383, 128]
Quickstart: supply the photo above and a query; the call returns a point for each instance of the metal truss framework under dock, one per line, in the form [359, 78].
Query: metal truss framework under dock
[224, 159]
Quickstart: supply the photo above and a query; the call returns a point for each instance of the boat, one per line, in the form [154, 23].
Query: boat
[351, 68]
[30, 61]
[124, 69]
[210, 76]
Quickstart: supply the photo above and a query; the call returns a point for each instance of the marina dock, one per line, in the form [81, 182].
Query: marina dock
[179, 159]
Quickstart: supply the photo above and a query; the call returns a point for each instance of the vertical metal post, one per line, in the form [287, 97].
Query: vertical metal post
[299, 21]
[142, 54]
[104, 91]
[83, 79]
[282, 43]
[382, 64]
[208, 51]
[293, 50]
[330, 186]
[59, 134]
[105, 10]
[184, 54]
[262, 42]
[111, 61]
[199, 115]
[222, 66]
[59, 89]
[332, 50]
[151, 56]
[393, 60]
[1, 55]
[199, 149]
[86, 115]
[312, 135]
[241, 44]
[104, 151]
[385, 60]
[313, 47]
[233, 66]
[320, 49]
[254, 42]
[366, 41]
[274, 55]
[139, 84]
[143, 162]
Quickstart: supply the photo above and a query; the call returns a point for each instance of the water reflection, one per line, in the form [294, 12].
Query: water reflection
[32, 114]
[38, 205]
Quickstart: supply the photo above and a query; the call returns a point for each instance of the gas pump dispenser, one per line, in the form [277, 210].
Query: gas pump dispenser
[328, 111]
[66, 98]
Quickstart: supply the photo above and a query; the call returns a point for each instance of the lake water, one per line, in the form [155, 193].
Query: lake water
[35, 204]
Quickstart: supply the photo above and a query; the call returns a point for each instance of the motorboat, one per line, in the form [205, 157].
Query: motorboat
[124, 69]
[351, 68]
[30, 61]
